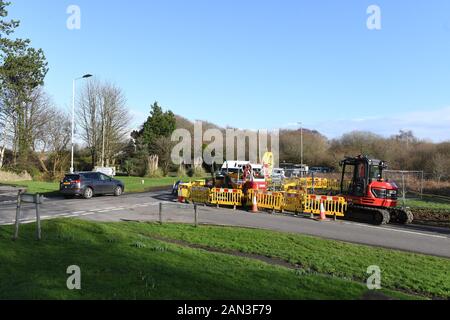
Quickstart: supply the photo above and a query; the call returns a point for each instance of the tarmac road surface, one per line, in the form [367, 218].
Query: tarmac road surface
[145, 207]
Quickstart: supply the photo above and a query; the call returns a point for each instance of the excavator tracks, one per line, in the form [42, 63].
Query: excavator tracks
[380, 216]
[376, 216]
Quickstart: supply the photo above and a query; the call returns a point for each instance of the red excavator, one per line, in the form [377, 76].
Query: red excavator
[370, 197]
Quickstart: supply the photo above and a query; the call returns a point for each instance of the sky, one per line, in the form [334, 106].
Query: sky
[257, 63]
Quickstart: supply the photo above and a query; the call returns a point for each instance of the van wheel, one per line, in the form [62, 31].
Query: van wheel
[118, 191]
[88, 193]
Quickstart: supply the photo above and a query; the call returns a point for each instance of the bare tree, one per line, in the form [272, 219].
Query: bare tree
[115, 120]
[163, 148]
[89, 115]
[53, 141]
[104, 121]
[441, 166]
[21, 127]
[3, 137]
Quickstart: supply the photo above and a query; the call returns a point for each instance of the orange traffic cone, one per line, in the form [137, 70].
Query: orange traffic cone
[254, 203]
[323, 216]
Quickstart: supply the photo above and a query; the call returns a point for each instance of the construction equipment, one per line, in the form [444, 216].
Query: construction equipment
[371, 198]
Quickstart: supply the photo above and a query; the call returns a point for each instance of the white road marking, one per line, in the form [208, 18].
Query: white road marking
[118, 209]
[397, 230]
[78, 212]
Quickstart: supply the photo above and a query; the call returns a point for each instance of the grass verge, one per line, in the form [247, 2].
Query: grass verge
[121, 261]
[427, 204]
[409, 272]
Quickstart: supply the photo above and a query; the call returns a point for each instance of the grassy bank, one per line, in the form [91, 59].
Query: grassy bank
[132, 184]
[416, 273]
[126, 261]
[431, 204]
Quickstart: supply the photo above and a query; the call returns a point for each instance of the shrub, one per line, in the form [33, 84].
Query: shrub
[7, 176]
[157, 173]
[181, 172]
[197, 172]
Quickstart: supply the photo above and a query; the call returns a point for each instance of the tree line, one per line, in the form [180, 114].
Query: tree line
[402, 151]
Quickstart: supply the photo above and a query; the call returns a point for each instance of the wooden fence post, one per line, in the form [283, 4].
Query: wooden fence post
[195, 215]
[38, 217]
[19, 200]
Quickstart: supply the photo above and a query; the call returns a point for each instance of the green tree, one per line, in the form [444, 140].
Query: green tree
[159, 124]
[22, 70]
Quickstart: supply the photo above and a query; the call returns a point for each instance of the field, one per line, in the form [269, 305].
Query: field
[132, 184]
[172, 261]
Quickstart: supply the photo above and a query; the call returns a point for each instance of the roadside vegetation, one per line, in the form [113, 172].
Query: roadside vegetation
[131, 261]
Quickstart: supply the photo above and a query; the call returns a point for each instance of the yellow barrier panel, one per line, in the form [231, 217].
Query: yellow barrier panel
[293, 202]
[334, 185]
[266, 199]
[199, 195]
[319, 183]
[227, 197]
[333, 205]
[199, 183]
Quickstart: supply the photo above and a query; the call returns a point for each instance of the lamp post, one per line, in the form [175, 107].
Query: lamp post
[73, 116]
[301, 146]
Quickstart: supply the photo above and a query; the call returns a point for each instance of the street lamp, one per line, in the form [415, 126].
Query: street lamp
[301, 145]
[301, 141]
[73, 116]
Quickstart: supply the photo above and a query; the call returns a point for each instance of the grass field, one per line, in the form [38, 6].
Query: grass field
[132, 184]
[136, 261]
[415, 273]
[432, 204]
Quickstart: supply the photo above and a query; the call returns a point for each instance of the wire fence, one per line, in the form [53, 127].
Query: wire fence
[419, 185]
[412, 185]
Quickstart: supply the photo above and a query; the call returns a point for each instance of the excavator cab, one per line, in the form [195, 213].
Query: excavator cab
[365, 171]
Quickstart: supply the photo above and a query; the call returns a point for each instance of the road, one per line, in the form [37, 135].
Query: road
[145, 207]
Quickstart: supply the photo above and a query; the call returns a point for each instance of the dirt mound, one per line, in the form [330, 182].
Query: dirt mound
[432, 216]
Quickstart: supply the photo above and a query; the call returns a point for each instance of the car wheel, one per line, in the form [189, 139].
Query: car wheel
[88, 193]
[118, 191]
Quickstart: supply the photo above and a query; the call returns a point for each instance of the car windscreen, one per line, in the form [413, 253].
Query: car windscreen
[71, 177]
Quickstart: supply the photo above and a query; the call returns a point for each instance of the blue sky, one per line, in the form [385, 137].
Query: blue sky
[257, 63]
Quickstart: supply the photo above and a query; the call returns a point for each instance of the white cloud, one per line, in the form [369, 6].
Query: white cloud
[430, 124]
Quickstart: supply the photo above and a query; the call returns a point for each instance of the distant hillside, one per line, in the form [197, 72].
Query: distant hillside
[183, 123]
